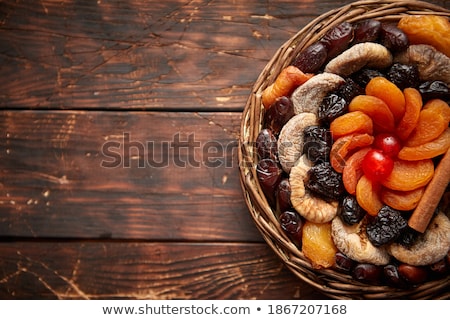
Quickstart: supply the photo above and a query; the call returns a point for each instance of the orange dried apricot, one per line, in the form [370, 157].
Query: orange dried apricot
[368, 195]
[427, 29]
[430, 126]
[409, 175]
[377, 109]
[438, 106]
[349, 123]
[353, 170]
[318, 245]
[402, 200]
[413, 105]
[343, 146]
[387, 91]
[285, 83]
[427, 150]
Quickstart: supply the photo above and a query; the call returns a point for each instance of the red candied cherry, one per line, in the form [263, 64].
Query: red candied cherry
[377, 165]
[388, 143]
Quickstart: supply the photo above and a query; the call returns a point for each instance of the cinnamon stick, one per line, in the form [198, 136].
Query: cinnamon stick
[424, 211]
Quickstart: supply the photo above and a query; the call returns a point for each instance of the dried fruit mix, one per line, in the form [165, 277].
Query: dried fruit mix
[354, 129]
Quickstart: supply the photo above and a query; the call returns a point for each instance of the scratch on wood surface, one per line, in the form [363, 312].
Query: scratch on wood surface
[70, 282]
[233, 132]
[53, 179]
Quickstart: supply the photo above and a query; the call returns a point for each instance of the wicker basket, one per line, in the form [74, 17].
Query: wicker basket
[332, 283]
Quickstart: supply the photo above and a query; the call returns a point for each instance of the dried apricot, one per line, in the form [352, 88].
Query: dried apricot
[377, 109]
[430, 126]
[343, 146]
[318, 245]
[368, 195]
[353, 171]
[402, 200]
[427, 29]
[427, 150]
[413, 105]
[285, 83]
[409, 175]
[387, 91]
[349, 123]
[438, 106]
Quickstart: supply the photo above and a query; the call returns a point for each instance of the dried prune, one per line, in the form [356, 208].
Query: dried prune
[404, 75]
[332, 106]
[408, 237]
[338, 39]
[386, 227]
[278, 114]
[393, 38]
[283, 195]
[349, 90]
[317, 143]
[312, 58]
[269, 176]
[266, 145]
[392, 276]
[367, 31]
[363, 76]
[434, 90]
[292, 225]
[323, 180]
[350, 211]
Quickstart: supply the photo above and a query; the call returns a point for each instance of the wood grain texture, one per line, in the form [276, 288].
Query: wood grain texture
[102, 270]
[60, 176]
[188, 55]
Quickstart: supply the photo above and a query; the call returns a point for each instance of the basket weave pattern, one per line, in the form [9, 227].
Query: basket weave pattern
[332, 283]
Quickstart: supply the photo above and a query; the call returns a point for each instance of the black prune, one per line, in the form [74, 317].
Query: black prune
[349, 90]
[291, 223]
[408, 237]
[350, 211]
[266, 145]
[393, 37]
[338, 39]
[278, 114]
[283, 195]
[323, 180]
[434, 90]
[363, 76]
[403, 75]
[332, 106]
[386, 226]
[392, 276]
[367, 31]
[312, 58]
[269, 176]
[317, 143]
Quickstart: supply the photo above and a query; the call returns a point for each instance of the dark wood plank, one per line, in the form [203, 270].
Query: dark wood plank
[61, 176]
[189, 55]
[102, 270]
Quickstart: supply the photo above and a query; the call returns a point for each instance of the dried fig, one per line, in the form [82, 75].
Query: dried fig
[432, 64]
[367, 54]
[309, 96]
[290, 141]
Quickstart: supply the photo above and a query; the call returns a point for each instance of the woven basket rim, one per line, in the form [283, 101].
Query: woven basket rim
[330, 282]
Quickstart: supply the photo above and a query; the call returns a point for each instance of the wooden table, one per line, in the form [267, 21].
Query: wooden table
[119, 123]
